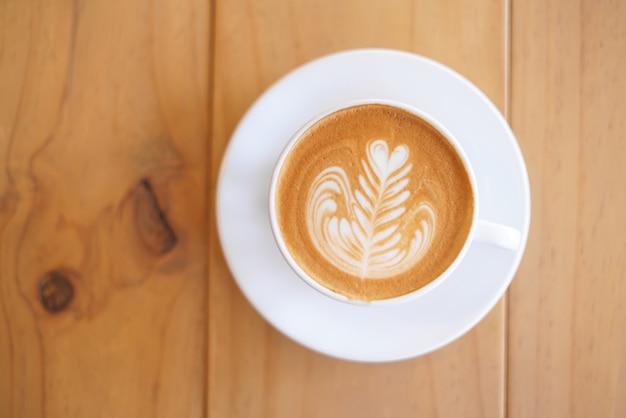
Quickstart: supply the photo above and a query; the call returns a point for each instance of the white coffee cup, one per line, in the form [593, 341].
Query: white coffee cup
[481, 230]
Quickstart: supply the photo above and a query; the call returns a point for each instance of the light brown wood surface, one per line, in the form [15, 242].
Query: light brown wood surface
[567, 322]
[253, 369]
[104, 110]
[114, 117]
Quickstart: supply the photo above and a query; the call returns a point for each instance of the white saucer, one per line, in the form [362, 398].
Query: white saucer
[385, 333]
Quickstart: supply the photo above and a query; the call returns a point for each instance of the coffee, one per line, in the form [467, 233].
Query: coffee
[373, 202]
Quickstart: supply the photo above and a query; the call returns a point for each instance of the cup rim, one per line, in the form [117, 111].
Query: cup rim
[280, 242]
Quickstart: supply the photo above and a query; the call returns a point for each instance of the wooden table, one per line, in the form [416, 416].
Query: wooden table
[115, 299]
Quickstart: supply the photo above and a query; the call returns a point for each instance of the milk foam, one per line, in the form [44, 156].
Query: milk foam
[378, 238]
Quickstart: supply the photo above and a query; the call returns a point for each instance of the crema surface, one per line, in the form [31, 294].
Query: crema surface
[373, 202]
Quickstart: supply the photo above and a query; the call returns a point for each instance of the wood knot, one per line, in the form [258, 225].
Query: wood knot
[55, 291]
[153, 226]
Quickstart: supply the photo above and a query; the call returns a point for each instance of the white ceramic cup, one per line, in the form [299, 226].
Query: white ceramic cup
[480, 231]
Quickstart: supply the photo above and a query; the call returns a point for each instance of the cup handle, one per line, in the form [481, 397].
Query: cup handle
[497, 234]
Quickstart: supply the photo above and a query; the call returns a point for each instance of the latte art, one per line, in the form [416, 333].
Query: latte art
[372, 202]
[368, 241]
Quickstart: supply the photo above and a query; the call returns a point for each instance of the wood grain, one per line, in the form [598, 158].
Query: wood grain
[109, 164]
[254, 370]
[104, 111]
[567, 311]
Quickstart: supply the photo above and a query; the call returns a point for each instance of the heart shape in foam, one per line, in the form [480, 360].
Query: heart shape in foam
[383, 163]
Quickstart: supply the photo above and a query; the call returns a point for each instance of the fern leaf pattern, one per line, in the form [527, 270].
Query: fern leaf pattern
[368, 242]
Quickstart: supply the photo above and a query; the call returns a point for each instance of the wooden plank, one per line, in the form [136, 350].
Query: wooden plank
[567, 310]
[254, 370]
[104, 110]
